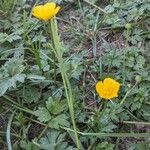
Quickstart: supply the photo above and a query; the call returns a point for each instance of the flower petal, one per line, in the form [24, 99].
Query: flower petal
[45, 12]
[50, 5]
[57, 9]
[37, 11]
[108, 89]
[99, 87]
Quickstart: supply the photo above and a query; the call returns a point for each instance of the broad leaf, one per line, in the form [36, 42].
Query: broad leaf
[43, 114]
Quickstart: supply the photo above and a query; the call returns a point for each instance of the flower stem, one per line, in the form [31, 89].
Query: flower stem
[68, 91]
[127, 94]
[100, 114]
[125, 55]
[54, 70]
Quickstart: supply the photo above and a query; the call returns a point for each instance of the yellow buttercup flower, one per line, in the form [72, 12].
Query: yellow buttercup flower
[46, 11]
[108, 89]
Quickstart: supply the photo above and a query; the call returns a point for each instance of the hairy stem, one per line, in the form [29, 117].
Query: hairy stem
[68, 91]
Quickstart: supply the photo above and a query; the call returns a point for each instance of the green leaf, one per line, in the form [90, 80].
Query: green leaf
[104, 146]
[11, 82]
[31, 94]
[109, 9]
[61, 120]
[11, 73]
[27, 145]
[54, 106]
[55, 141]
[43, 114]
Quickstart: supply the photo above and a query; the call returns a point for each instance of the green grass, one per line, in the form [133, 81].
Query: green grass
[48, 101]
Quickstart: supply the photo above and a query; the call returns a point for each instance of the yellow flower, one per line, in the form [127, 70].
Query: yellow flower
[45, 12]
[108, 89]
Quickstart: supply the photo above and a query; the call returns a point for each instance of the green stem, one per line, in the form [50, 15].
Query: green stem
[8, 134]
[17, 106]
[43, 131]
[67, 86]
[2, 133]
[10, 100]
[55, 71]
[72, 112]
[131, 114]
[125, 55]
[121, 135]
[36, 52]
[92, 4]
[100, 113]
[127, 94]
[79, 3]
[136, 123]
[94, 43]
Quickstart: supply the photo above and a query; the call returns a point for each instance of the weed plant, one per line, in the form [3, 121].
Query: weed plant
[98, 40]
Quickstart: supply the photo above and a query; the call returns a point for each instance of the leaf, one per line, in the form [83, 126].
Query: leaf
[27, 145]
[3, 37]
[10, 38]
[61, 120]
[104, 146]
[11, 82]
[43, 114]
[3, 88]
[31, 94]
[11, 73]
[54, 106]
[35, 77]
[55, 141]
[109, 9]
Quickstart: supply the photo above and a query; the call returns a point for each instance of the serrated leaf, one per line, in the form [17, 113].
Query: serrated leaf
[27, 145]
[104, 146]
[3, 88]
[11, 82]
[31, 94]
[43, 114]
[54, 106]
[55, 141]
[61, 120]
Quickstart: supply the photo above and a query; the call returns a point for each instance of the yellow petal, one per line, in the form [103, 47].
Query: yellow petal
[109, 81]
[45, 12]
[49, 10]
[99, 87]
[57, 9]
[37, 11]
[50, 5]
[108, 89]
